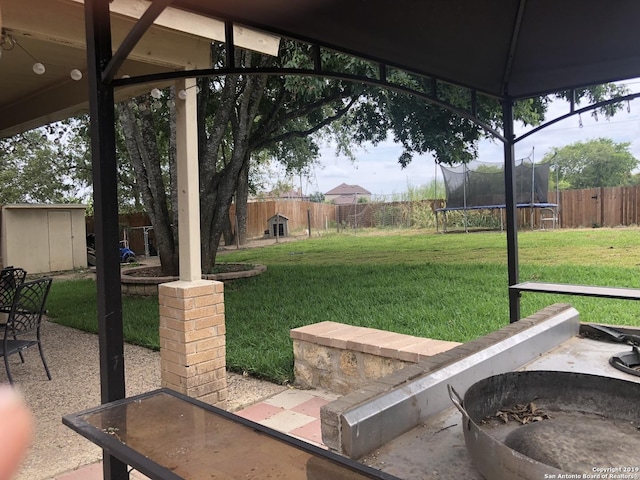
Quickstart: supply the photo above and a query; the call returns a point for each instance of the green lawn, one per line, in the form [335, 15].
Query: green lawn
[445, 286]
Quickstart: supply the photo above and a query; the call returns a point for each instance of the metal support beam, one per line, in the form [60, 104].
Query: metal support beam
[511, 208]
[230, 48]
[134, 36]
[515, 36]
[318, 70]
[105, 197]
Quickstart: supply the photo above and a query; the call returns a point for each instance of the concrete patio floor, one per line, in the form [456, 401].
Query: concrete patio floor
[59, 453]
[73, 358]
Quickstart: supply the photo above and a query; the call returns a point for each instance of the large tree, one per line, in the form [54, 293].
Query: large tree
[238, 117]
[595, 163]
[45, 165]
[244, 117]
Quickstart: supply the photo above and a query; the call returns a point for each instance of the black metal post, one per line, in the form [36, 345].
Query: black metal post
[105, 198]
[511, 208]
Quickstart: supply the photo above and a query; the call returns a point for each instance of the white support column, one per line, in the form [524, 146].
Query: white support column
[192, 322]
[188, 186]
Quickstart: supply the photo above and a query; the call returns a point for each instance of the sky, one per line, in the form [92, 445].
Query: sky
[376, 167]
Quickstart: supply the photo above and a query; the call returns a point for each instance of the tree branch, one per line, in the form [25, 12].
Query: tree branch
[304, 133]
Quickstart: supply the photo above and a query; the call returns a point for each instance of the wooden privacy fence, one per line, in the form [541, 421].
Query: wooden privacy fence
[320, 214]
[598, 207]
[587, 208]
[134, 225]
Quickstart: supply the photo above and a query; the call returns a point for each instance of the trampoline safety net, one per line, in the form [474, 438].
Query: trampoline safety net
[481, 184]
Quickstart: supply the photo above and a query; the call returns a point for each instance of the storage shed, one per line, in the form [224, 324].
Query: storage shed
[44, 238]
[278, 226]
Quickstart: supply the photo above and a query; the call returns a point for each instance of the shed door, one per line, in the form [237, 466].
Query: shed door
[60, 241]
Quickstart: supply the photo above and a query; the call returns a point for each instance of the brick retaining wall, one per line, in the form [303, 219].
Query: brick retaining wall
[342, 358]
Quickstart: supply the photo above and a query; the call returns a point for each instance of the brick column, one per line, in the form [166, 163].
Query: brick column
[192, 339]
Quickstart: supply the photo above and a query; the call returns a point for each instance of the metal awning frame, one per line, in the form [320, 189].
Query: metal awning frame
[381, 80]
[103, 63]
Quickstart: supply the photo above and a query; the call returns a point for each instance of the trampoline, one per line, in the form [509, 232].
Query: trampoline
[480, 186]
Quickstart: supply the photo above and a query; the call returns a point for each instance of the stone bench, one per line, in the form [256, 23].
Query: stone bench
[342, 358]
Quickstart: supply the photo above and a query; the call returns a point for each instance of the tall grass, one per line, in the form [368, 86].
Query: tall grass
[450, 287]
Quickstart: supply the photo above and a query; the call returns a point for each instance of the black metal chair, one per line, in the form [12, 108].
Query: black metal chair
[23, 324]
[10, 279]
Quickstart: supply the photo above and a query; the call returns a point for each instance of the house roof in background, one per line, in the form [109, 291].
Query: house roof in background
[293, 193]
[345, 199]
[345, 189]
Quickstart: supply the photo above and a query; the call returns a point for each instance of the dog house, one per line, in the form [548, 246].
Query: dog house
[278, 226]
[44, 238]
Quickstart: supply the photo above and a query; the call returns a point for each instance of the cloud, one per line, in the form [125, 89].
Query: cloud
[377, 168]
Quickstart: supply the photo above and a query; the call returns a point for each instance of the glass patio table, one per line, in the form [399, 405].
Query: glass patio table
[168, 436]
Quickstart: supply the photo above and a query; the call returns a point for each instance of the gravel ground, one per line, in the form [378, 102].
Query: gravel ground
[72, 356]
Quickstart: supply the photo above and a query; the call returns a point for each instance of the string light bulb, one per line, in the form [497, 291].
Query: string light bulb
[183, 94]
[39, 68]
[8, 42]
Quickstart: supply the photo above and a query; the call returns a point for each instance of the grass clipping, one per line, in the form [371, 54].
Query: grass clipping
[523, 413]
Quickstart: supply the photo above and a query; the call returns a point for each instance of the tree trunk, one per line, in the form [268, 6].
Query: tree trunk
[233, 122]
[217, 188]
[242, 198]
[139, 135]
[227, 232]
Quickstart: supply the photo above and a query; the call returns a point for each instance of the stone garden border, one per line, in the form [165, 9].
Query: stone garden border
[148, 286]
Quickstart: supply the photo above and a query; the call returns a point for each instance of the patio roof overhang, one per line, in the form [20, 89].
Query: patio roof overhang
[502, 48]
[52, 32]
